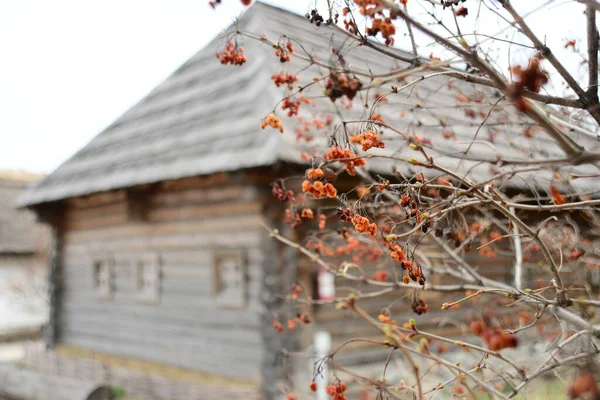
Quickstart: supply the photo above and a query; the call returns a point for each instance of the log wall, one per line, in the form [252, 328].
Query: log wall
[184, 224]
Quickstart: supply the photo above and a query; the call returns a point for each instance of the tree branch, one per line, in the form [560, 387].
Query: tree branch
[592, 40]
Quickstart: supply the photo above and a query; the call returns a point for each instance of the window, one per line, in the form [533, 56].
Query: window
[230, 280]
[148, 278]
[103, 278]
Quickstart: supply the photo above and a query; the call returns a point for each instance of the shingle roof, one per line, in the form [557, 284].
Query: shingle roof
[205, 117]
[19, 232]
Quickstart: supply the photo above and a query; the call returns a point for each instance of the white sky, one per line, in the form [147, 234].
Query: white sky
[68, 68]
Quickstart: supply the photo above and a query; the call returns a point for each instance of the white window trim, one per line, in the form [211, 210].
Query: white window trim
[222, 298]
[148, 263]
[105, 289]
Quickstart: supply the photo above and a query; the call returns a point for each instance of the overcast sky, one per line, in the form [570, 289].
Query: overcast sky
[68, 68]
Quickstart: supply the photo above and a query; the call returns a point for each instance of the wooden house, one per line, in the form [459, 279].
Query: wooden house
[23, 260]
[160, 252]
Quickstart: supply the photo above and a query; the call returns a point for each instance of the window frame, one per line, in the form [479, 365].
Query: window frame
[152, 263]
[222, 296]
[103, 265]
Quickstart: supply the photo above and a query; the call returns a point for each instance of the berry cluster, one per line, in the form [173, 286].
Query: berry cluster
[339, 84]
[337, 392]
[282, 195]
[411, 209]
[346, 156]
[295, 291]
[584, 387]
[462, 12]
[450, 3]
[364, 225]
[385, 319]
[233, 55]
[314, 17]
[368, 140]
[292, 219]
[319, 189]
[380, 276]
[307, 213]
[345, 214]
[273, 122]
[386, 27]
[530, 78]
[315, 173]
[282, 54]
[293, 105]
[557, 197]
[414, 270]
[396, 252]
[292, 323]
[419, 306]
[494, 338]
[280, 79]
[319, 248]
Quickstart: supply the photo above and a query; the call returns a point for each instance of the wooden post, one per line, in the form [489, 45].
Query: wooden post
[279, 272]
[51, 214]
[270, 373]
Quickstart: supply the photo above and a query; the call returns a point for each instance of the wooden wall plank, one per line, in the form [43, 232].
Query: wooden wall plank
[187, 221]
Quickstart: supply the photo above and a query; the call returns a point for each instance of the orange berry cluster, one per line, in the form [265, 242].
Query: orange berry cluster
[314, 173]
[319, 248]
[494, 338]
[280, 79]
[293, 106]
[414, 271]
[487, 251]
[557, 196]
[386, 27]
[319, 189]
[531, 78]
[377, 118]
[380, 276]
[337, 392]
[283, 54]
[273, 122]
[368, 140]
[363, 224]
[385, 319]
[339, 84]
[307, 213]
[232, 55]
[278, 326]
[292, 323]
[369, 7]
[346, 156]
[397, 253]
[584, 387]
